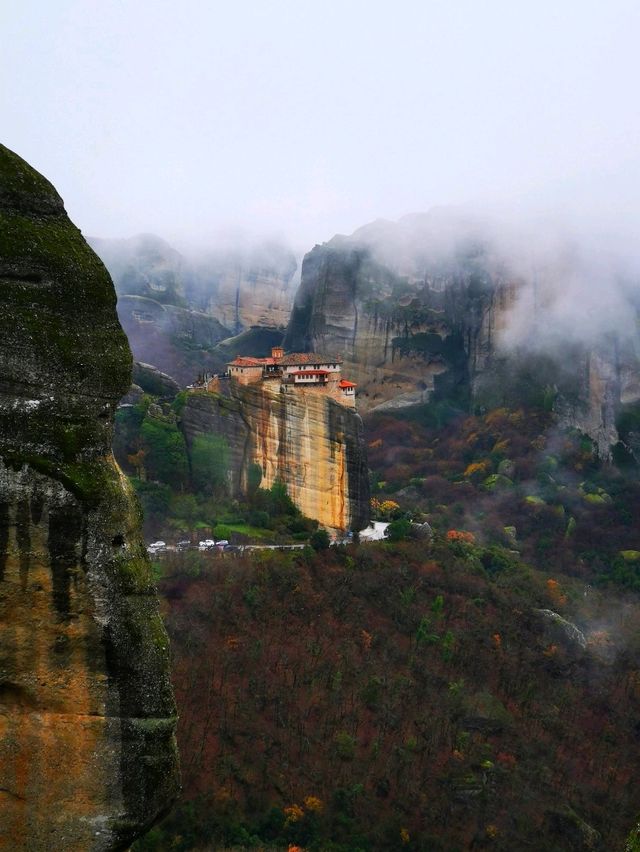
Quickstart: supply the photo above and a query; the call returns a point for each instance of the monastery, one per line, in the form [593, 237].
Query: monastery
[306, 370]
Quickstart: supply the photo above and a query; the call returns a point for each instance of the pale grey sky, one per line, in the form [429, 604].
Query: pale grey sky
[190, 118]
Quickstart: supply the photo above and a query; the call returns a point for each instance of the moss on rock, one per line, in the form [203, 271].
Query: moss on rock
[88, 754]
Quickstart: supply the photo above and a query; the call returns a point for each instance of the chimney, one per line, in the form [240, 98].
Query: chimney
[277, 352]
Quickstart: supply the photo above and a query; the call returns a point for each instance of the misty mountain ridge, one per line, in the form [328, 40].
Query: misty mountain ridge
[450, 304]
[144, 265]
[176, 307]
[584, 280]
[212, 280]
[445, 302]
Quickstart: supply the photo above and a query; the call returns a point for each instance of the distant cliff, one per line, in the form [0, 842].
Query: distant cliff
[244, 287]
[176, 309]
[404, 321]
[87, 718]
[238, 286]
[176, 340]
[433, 307]
[306, 440]
[145, 265]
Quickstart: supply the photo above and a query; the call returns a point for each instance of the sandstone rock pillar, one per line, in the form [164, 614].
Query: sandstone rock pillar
[87, 719]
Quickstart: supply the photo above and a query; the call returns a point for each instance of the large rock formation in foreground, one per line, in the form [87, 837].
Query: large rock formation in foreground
[87, 751]
[303, 438]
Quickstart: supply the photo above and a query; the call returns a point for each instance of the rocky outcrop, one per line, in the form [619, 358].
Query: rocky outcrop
[437, 305]
[571, 832]
[406, 321]
[246, 287]
[87, 750]
[178, 341]
[238, 286]
[153, 381]
[558, 629]
[256, 342]
[301, 437]
[144, 265]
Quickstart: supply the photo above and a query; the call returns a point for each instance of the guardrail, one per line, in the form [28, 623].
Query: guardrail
[227, 550]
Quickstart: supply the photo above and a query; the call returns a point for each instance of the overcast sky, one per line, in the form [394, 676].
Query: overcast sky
[190, 118]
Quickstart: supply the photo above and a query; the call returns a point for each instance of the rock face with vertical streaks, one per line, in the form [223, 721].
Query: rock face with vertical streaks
[300, 437]
[87, 749]
[411, 307]
[440, 306]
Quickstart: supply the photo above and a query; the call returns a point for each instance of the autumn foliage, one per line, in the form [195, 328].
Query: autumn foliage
[461, 535]
[422, 706]
[568, 510]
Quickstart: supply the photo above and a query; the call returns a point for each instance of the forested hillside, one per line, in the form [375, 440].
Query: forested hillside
[476, 686]
[514, 478]
[438, 696]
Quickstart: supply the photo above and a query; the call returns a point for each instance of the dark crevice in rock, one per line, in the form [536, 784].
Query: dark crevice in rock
[14, 695]
[65, 531]
[4, 537]
[23, 540]
[37, 506]
[21, 277]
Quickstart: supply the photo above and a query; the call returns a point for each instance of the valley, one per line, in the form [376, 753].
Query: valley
[507, 479]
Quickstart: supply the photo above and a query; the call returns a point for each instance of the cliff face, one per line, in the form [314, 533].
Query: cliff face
[87, 750]
[243, 288]
[302, 438]
[431, 304]
[608, 379]
[177, 341]
[401, 327]
[175, 309]
[238, 286]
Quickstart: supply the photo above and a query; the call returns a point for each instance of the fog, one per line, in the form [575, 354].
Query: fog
[297, 120]
[559, 280]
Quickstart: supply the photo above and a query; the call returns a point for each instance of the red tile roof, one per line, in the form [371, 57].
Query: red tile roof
[295, 359]
[345, 384]
[242, 361]
[303, 358]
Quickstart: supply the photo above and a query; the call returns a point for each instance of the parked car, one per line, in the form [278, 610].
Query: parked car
[185, 544]
[206, 544]
[222, 542]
